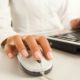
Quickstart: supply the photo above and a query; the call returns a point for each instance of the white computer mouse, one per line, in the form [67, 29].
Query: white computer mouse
[32, 67]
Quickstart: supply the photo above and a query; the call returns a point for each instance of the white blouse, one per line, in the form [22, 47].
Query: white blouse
[32, 17]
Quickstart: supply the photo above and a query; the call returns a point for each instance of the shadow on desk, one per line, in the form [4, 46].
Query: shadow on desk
[10, 66]
[66, 66]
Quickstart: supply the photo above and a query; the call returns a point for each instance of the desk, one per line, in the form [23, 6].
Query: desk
[66, 67]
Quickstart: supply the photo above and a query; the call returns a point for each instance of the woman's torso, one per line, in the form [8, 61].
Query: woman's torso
[35, 16]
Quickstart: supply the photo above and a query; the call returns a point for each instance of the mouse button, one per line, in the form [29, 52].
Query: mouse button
[45, 63]
[29, 63]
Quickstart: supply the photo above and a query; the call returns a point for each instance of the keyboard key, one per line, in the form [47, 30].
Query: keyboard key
[78, 41]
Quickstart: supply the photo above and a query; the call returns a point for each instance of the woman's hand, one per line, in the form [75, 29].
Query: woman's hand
[75, 24]
[17, 44]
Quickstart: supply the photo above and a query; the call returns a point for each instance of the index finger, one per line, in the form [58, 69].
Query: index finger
[20, 46]
[34, 47]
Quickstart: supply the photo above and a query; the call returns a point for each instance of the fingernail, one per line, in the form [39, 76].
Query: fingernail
[50, 55]
[24, 53]
[10, 55]
[37, 55]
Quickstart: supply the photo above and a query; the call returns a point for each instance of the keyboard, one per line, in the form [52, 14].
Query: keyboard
[69, 42]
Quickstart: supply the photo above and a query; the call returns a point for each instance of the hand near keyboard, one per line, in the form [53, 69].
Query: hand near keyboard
[75, 23]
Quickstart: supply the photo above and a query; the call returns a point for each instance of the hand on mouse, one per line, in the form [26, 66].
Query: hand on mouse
[75, 23]
[17, 44]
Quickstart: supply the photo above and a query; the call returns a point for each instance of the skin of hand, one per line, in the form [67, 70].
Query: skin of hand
[75, 23]
[20, 45]
[17, 44]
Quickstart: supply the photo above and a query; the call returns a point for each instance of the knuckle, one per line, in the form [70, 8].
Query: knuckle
[42, 37]
[16, 36]
[28, 37]
[12, 38]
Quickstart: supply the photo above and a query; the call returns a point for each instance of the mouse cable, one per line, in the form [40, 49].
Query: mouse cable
[42, 71]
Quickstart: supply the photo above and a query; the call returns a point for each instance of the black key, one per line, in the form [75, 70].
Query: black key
[78, 41]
